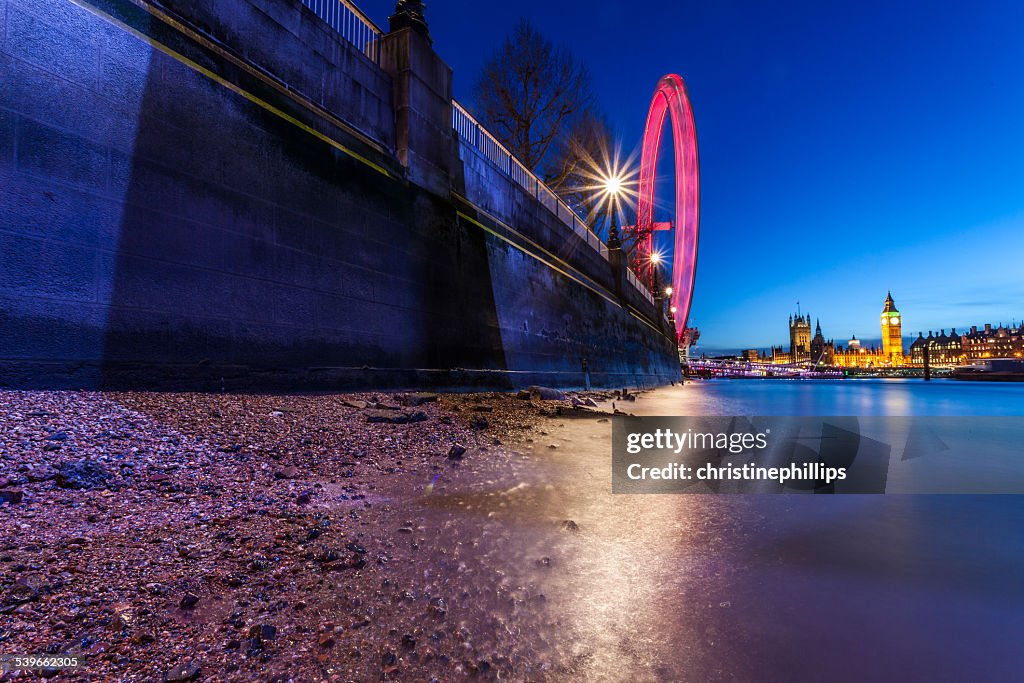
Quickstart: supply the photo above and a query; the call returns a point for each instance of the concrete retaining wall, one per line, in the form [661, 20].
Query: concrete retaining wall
[171, 216]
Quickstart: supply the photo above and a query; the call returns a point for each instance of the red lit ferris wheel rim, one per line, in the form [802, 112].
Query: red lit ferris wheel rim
[670, 97]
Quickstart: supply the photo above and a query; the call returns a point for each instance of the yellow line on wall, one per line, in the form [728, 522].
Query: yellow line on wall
[535, 256]
[632, 311]
[227, 84]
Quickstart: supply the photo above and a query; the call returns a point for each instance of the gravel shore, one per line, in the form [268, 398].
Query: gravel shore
[221, 537]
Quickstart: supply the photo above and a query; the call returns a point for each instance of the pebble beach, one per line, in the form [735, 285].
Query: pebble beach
[221, 537]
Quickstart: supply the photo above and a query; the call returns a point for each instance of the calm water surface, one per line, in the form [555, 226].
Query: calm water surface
[704, 587]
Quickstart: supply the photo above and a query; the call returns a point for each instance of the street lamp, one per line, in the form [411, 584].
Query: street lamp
[613, 185]
[655, 258]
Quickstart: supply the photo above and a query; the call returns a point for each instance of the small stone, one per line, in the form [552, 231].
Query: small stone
[405, 530]
[20, 593]
[11, 496]
[40, 473]
[124, 618]
[355, 404]
[569, 525]
[143, 638]
[57, 436]
[183, 672]
[547, 394]
[456, 452]
[325, 555]
[263, 632]
[303, 498]
[81, 474]
[326, 640]
[483, 408]
[417, 399]
[524, 395]
[395, 417]
[408, 642]
[438, 607]
[289, 472]
[188, 601]
[479, 422]
[35, 581]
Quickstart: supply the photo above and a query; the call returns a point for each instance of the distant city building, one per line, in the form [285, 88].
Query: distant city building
[943, 349]
[857, 356]
[957, 349]
[947, 350]
[800, 337]
[821, 351]
[799, 341]
[892, 334]
[1000, 342]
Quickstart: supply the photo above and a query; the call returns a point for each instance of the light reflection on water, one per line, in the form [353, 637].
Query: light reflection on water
[690, 587]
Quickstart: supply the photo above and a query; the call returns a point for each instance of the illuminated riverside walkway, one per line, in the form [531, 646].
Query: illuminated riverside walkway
[735, 368]
[744, 369]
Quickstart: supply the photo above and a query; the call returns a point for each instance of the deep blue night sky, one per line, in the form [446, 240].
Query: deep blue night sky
[846, 148]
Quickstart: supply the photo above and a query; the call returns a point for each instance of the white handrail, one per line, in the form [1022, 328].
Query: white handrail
[479, 138]
[350, 22]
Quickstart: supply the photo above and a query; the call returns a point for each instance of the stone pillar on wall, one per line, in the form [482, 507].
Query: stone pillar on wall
[422, 96]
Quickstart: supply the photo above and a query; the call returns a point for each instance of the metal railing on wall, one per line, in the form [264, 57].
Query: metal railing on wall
[479, 138]
[635, 281]
[350, 22]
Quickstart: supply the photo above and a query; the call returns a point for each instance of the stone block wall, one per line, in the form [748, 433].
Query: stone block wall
[171, 217]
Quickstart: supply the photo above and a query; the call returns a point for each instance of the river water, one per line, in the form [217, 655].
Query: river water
[731, 587]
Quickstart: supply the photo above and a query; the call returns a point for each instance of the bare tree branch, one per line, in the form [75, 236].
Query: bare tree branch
[537, 100]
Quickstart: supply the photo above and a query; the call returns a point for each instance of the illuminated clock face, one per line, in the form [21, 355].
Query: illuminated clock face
[885, 321]
[896, 321]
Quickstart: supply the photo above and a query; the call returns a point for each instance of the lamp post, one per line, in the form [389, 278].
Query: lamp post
[656, 290]
[612, 186]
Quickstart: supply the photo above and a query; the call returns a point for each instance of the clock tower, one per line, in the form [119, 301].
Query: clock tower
[892, 336]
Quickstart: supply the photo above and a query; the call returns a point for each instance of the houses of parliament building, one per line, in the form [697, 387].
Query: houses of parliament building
[816, 350]
[943, 349]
